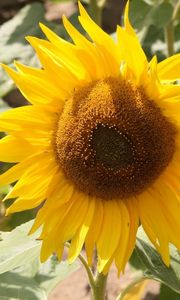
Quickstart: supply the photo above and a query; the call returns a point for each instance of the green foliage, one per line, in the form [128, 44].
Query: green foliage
[168, 294]
[3, 106]
[53, 272]
[12, 40]
[149, 18]
[19, 218]
[13, 285]
[22, 275]
[143, 14]
[17, 248]
[136, 262]
[4, 190]
[161, 14]
[13, 45]
[139, 19]
[63, 1]
[34, 281]
[151, 263]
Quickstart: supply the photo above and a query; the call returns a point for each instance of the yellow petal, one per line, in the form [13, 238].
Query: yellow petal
[53, 82]
[60, 191]
[103, 41]
[127, 23]
[49, 224]
[57, 71]
[22, 204]
[62, 227]
[169, 68]
[110, 234]
[47, 248]
[15, 150]
[62, 53]
[15, 172]
[78, 240]
[94, 231]
[79, 39]
[124, 238]
[88, 52]
[25, 118]
[152, 217]
[172, 110]
[36, 90]
[134, 57]
[75, 217]
[170, 92]
[170, 206]
[56, 203]
[35, 180]
[133, 227]
[55, 39]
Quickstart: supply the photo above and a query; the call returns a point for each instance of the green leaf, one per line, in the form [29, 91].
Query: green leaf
[14, 285]
[18, 248]
[34, 281]
[135, 262]
[4, 190]
[139, 11]
[13, 32]
[161, 15]
[3, 106]
[149, 17]
[62, 1]
[144, 13]
[13, 44]
[22, 276]
[167, 294]
[53, 272]
[156, 269]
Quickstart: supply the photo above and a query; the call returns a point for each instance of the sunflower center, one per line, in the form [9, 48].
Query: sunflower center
[112, 148]
[112, 141]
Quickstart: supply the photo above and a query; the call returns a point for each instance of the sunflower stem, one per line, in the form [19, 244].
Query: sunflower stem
[99, 288]
[176, 11]
[97, 8]
[87, 268]
[169, 30]
[169, 38]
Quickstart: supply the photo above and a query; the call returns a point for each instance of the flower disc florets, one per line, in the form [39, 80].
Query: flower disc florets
[112, 141]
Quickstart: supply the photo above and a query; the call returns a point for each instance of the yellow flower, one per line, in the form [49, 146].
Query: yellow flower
[99, 146]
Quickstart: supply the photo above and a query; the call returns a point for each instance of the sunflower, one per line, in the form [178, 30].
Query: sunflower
[99, 145]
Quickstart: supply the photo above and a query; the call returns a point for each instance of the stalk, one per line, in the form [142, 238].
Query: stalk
[99, 288]
[169, 38]
[97, 7]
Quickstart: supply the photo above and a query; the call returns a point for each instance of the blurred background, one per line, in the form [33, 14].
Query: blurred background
[157, 23]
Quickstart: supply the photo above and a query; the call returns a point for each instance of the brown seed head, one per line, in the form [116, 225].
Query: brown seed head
[112, 141]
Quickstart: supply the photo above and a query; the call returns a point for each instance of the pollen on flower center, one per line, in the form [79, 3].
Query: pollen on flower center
[112, 141]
